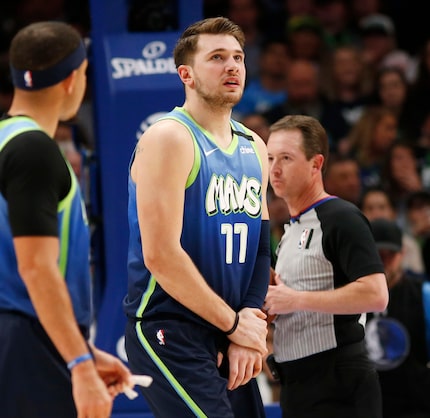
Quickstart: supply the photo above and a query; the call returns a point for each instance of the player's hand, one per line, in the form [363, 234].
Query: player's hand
[251, 330]
[113, 372]
[244, 364]
[280, 299]
[91, 396]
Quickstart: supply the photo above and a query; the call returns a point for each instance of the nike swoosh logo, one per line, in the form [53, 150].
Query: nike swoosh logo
[207, 153]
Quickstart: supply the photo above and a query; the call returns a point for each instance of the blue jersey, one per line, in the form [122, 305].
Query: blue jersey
[73, 235]
[221, 223]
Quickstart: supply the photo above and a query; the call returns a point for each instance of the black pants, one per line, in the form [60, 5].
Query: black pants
[34, 380]
[338, 383]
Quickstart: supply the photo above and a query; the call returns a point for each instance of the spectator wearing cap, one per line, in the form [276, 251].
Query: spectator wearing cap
[379, 44]
[405, 386]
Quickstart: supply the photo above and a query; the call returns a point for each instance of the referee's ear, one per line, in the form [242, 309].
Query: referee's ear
[318, 162]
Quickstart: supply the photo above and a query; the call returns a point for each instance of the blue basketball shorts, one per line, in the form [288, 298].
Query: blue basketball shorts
[182, 359]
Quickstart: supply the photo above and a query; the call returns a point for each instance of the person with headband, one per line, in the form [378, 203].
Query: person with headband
[48, 368]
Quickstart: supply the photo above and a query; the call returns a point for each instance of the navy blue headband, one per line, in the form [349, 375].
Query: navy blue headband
[35, 80]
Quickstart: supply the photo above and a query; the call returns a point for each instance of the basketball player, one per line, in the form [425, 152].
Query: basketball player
[47, 367]
[199, 254]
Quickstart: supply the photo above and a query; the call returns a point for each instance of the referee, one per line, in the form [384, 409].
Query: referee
[328, 273]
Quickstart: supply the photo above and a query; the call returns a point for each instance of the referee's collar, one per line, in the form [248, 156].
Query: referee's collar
[296, 218]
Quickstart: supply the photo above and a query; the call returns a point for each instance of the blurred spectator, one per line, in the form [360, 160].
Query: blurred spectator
[424, 136]
[305, 38]
[360, 9]
[392, 92]
[379, 46]
[369, 141]
[404, 378]
[304, 97]
[334, 18]
[400, 175]
[347, 85]
[249, 15]
[269, 89]
[423, 148]
[376, 203]
[257, 123]
[342, 178]
[418, 216]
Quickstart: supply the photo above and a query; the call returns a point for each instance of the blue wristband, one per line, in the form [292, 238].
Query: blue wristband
[78, 360]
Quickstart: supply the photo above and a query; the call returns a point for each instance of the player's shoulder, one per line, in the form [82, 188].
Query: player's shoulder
[166, 130]
[33, 143]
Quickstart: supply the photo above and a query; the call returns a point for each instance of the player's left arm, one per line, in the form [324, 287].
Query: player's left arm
[260, 278]
[244, 364]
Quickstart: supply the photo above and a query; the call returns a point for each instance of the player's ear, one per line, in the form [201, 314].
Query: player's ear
[69, 82]
[185, 73]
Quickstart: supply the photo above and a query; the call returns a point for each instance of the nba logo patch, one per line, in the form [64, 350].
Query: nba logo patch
[160, 337]
[305, 238]
[28, 79]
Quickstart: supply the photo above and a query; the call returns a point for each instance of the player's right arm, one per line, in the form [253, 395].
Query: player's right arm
[164, 158]
[37, 263]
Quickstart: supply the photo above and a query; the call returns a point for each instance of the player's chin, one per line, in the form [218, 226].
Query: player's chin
[233, 96]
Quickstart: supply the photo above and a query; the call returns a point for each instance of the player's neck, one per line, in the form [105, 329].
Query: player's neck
[215, 121]
[43, 112]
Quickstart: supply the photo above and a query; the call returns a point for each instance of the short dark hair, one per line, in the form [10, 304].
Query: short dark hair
[418, 200]
[315, 139]
[335, 158]
[41, 45]
[187, 44]
[376, 189]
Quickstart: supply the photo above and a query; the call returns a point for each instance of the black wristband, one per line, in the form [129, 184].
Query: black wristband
[233, 328]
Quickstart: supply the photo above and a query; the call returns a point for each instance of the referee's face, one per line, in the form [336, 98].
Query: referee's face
[291, 174]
